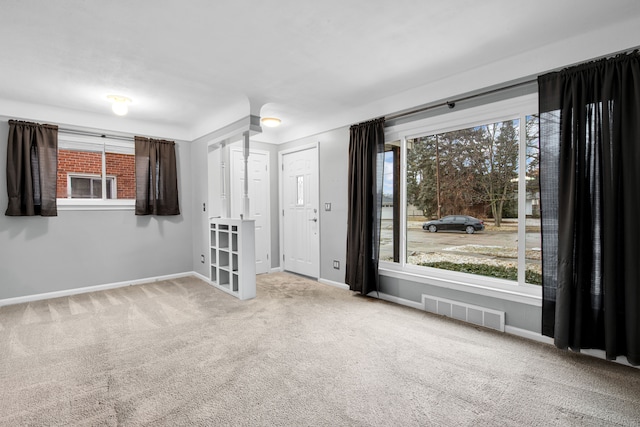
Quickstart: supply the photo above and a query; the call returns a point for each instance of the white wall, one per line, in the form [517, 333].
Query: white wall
[85, 248]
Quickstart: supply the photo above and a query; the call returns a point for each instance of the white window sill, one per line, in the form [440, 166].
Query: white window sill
[95, 205]
[463, 282]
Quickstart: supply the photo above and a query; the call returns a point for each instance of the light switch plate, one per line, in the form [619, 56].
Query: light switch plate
[327, 207]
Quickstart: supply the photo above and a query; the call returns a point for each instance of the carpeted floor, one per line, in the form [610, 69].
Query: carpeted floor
[182, 353]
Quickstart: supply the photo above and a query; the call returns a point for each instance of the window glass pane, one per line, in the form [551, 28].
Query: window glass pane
[389, 227]
[109, 182]
[96, 188]
[533, 256]
[462, 200]
[80, 188]
[300, 190]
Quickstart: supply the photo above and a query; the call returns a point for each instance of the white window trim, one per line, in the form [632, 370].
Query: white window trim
[515, 108]
[480, 285]
[68, 141]
[96, 204]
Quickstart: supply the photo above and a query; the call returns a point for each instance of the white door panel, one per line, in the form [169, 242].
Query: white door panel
[258, 164]
[301, 216]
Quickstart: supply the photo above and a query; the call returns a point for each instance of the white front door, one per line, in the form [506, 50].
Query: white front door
[258, 164]
[300, 222]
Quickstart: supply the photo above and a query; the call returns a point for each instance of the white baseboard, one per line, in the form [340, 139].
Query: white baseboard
[335, 284]
[200, 276]
[75, 291]
[534, 336]
[276, 270]
[397, 300]
[507, 329]
[599, 354]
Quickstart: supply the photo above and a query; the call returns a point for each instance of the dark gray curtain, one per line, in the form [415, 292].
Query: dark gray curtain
[366, 160]
[32, 169]
[590, 189]
[156, 177]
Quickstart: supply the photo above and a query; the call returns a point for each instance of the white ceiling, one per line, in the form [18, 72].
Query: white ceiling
[194, 66]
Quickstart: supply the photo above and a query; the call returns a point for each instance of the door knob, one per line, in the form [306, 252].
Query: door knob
[314, 219]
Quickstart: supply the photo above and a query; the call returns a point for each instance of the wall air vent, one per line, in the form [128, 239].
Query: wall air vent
[481, 316]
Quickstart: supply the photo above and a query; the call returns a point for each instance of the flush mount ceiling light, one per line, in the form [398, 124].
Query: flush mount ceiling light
[119, 104]
[270, 121]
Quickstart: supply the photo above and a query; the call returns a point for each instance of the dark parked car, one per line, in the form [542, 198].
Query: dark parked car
[464, 223]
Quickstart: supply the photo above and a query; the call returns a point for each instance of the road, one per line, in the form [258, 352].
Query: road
[493, 240]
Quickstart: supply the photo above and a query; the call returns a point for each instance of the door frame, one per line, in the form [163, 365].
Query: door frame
[281, 155]
[233, 148]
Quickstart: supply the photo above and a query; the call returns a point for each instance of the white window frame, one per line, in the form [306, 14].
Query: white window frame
[113, 178]
[70, 141]
[514, 108]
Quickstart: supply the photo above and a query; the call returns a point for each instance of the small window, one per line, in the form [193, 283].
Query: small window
[90, 187]
[95, 171]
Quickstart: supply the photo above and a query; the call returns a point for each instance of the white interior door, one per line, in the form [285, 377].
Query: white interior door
[300, 222]
[258, 164]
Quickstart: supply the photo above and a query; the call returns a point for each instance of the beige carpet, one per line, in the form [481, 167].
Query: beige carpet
[182, 353]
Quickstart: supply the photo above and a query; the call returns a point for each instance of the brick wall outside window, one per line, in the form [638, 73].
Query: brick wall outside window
[122, 166]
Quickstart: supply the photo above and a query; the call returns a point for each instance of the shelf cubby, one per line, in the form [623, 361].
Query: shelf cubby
[223, 259]
[224, 278]
[234, 242]
[233, 261]
[223, 240]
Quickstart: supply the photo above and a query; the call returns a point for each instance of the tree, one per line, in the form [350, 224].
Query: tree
[533, 159]
[495, 161]
[439, 181]
[457, 178]
[452, 172]
[421, 168]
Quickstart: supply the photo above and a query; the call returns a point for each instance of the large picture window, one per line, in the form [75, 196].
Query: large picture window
[470, 199]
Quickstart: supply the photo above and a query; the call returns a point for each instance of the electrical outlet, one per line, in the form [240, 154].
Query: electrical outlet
[202, 258]
[204, 207]
[336, 264]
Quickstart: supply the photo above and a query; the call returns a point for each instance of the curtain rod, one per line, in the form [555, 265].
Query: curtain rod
[95, 134]
[452, 103]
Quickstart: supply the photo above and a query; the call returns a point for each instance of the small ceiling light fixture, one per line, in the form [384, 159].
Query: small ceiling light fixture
[270, 121]
[119, 104]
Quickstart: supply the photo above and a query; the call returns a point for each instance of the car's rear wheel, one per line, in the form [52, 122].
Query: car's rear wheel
[470, 229]
[433, 228]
